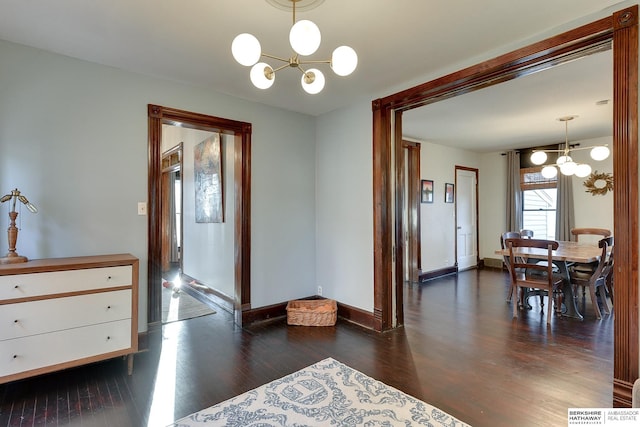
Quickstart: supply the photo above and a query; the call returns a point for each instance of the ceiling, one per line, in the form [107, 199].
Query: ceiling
[398, 44]
[524, 112]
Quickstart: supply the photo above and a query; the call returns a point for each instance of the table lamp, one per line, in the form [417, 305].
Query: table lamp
[12, 232]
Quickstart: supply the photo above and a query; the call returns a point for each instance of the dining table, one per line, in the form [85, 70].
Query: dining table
[568, 253]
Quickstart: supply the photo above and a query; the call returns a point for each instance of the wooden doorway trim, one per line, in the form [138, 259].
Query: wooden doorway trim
[171, 163]
[413, 209]
[158, 116]
[620, 31]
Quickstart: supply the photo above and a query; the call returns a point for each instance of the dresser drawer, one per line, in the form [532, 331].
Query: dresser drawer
[55, 314]
[39, 351]
[56, 282]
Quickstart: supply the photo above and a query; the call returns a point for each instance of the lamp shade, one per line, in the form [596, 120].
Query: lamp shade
[549, 172]
[600, 153]
[312, 81]
[583, 170]
[246, 49]
[563, 159]
[259, 74]
[305, 37]
[538, 157]
[344, 60]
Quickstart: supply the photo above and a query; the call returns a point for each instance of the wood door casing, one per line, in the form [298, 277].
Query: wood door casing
[157, 116]
[169, 166]
[618, 31]
[413, 210]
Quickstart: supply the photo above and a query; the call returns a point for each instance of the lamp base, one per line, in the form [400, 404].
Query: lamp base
[14, 259]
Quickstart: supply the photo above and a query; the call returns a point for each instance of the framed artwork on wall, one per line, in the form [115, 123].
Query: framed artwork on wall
[426, 191]
[207, 171]
[448, 192]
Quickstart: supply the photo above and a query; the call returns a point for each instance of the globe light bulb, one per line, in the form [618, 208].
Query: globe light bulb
[312, 81]
[549, 172]
[246, 49]
[600, 153]
[344, 60]
[262, 75]
[583, 170]
[568, 168]
[305, 37]
[538, 157]
[563, 159]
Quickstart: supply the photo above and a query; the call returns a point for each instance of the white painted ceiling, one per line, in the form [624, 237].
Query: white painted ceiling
[397, 43]
[524, 112]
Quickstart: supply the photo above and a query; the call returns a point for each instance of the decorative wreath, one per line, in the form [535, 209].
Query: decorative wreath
[598, 184]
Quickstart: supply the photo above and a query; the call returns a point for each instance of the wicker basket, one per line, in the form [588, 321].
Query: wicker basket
[313, 312]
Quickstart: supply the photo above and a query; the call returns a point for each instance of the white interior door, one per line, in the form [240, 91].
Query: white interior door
[466, 219]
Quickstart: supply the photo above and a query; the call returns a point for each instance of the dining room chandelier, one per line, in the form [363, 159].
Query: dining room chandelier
[564, 161]
[304, 38]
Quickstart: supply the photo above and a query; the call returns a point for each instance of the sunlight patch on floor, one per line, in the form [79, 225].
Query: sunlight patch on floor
[164, 390]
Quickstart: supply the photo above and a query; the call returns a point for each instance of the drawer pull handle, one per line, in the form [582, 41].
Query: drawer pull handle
[108, 307]
[108, 338]
[16, 286]
[16, 321]
[108, 277]
[15, 356]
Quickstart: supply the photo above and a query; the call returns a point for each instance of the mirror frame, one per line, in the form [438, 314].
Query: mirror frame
[158, 116]
[620, 30]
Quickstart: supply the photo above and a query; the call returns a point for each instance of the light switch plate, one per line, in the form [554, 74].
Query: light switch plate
[142, 208]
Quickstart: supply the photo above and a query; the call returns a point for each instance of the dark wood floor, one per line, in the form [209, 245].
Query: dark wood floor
[460, 350]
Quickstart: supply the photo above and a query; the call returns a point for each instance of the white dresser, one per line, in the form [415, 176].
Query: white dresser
[63, 312]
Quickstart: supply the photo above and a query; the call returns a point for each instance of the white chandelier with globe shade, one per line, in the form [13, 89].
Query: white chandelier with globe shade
[565, 162]
[304, 39]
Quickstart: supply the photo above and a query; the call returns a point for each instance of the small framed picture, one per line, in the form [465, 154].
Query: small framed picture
[448, 193]
[426, 191]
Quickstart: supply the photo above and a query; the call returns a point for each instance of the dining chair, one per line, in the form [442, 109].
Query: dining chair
[525, 274]
[524, 293]
[608, 271]
[601, 233]
[587, 231]
[505, 258]
[526, 234]
[596, 281]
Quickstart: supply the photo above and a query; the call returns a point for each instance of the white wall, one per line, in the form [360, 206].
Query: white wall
[207, 248]
[492, 197]
[437, 219]
[344, 200]
[73, 138]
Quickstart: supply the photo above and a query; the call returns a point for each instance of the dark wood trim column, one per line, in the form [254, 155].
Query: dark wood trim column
[397, 314]
[242, 170]
[625, 195]
[154, 242]
[382, 220]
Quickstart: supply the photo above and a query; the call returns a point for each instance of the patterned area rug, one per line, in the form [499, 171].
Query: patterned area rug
[181, 306]
[327, 393]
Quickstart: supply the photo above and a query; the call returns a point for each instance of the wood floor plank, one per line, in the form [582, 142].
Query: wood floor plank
[460, 350]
